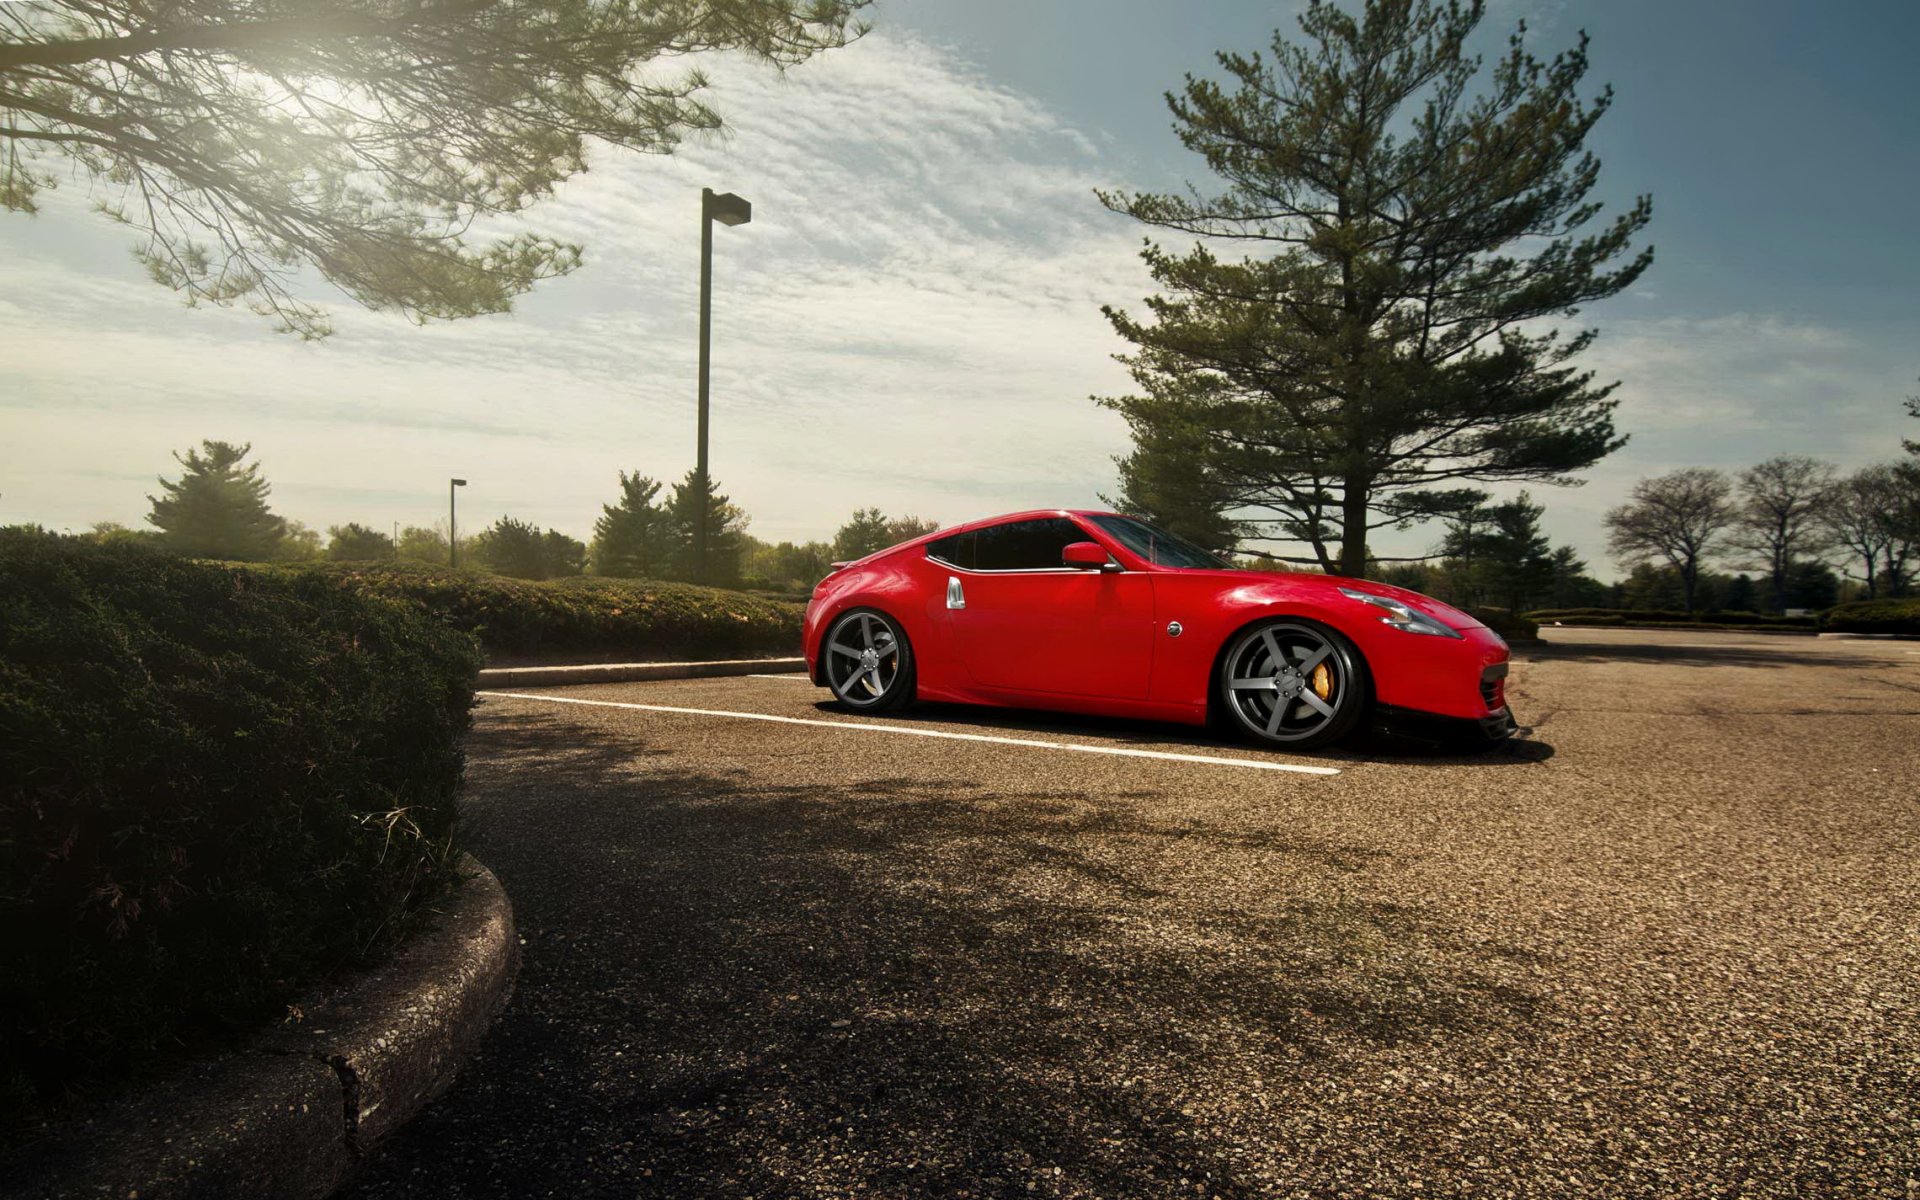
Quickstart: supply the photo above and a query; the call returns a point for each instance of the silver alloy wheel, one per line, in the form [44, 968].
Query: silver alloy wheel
[864, 659]
[1289, 683]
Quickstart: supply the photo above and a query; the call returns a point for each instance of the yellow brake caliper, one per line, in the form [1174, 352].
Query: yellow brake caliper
[1322, 682]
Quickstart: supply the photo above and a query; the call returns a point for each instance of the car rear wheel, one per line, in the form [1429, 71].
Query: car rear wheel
[869, 662]
[1293, 683]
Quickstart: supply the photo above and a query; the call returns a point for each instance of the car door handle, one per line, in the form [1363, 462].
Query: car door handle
[955, 597]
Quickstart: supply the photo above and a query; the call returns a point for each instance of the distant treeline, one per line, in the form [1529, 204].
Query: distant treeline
[1788, 534]
[218, 508]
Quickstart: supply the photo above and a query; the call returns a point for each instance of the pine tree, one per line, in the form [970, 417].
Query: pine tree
[1571, 586]
[726, 532]
[562, 556]
[354, 542]
[1168, 478]
[218, 509]
[865, 533]
[509, 547]
[1383, 342]
[1517, 558]
[370, 140]
[525, 551]
[1813, 585]
[635, 537]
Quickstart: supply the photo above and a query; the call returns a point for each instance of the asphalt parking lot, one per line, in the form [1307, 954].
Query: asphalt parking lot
[1667, 944]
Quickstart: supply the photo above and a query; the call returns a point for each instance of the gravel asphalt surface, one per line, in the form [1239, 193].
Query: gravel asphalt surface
[1668, 944]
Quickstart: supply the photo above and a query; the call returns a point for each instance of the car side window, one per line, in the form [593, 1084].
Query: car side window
[956, 551]
[1024, 545]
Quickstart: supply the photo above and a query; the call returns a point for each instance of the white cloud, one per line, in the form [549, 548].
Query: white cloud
[911, 320]
[1726, 391]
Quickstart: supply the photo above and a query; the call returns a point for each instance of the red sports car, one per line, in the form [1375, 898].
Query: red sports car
[1094, 612]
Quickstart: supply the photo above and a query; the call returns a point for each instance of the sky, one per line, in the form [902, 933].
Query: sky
[912, 318]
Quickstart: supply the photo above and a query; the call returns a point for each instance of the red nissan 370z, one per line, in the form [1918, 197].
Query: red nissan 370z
[1094, 612]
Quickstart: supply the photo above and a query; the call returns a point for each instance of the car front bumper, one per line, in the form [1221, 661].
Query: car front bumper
[1493, 720]
[1436, 728]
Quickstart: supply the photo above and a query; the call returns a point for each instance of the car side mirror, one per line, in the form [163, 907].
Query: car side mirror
[1087, 556]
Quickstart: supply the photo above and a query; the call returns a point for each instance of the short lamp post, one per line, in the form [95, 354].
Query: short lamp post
[728, 209]
[453, 530]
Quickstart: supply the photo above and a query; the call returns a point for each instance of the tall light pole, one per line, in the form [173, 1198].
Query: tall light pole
[728, 209]
[453, 530]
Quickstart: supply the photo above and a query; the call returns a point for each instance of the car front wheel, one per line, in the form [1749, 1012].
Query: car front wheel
[869, 662]
[1293, 683]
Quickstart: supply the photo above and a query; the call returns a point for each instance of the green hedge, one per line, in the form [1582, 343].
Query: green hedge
[220, 784]
[1782, 629]
[577, 617]
[1658, 617]
[1511, 626]
[1874, 616]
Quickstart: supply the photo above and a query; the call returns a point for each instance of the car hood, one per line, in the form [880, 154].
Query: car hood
[1330, 585]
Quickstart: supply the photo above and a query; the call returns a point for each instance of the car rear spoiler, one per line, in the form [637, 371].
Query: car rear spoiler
[840, 566]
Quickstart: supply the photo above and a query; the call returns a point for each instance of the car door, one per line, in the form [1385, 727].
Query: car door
[1024, 622]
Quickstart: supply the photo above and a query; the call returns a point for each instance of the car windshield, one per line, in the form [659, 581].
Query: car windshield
[1157, 546]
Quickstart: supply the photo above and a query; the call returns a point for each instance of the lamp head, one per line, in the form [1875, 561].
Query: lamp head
[728, 209]
[458, 482]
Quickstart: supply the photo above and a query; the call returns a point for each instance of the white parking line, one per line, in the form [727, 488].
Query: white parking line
[1119, 751]
[797, 677]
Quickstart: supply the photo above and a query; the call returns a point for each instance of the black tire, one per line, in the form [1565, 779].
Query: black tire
[1313, 709]
[879, 675]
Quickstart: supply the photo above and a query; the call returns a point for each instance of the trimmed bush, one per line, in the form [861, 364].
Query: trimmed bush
[220, 783]
[1509, 625]
[577, 617]
[1874, 616]
[1782, 629]
[1662, 617]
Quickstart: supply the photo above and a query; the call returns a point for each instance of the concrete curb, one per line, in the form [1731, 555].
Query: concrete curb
[1876, 637]
[1742, 629]
[630, 672]
[293, 1113]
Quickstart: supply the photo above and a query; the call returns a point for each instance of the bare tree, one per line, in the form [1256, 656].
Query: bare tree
[1780, 503]
[1913, 410]
[1679, 517]
[1903, 550]
[246, 139]
[1874, 514]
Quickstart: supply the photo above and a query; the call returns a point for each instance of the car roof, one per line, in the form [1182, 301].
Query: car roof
[1032, 514]
[979, 523]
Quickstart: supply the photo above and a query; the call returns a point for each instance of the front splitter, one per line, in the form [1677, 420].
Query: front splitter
[1392, 721]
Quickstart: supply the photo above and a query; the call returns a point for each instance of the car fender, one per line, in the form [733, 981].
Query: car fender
[892, 584]
[1431, 674]
[1210, 614]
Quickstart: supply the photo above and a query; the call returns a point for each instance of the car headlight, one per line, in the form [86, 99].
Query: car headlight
[1400, 616]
